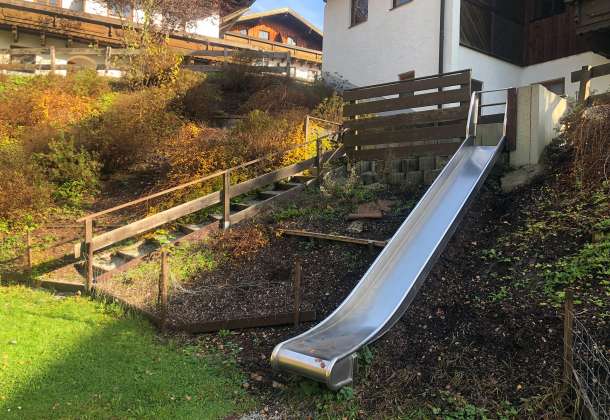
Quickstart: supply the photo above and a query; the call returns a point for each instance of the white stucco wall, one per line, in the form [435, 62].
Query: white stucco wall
[539, 113]
[391, 42]
[206, 27]
[406, 38]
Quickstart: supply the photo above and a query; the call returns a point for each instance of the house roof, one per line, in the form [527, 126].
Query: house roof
[277, 12]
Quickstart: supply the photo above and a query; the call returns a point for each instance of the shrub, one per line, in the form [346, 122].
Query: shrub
[23, 188]
[331, 108]
[64, 163]
[202, 101]
[156, 65]
[587, 134]
[131, 128]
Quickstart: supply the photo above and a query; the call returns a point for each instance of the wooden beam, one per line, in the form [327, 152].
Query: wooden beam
[417, 101]
[328, 237]
[410, 118]
[588, 72]
[410, 135]
[244, 323]
[151, 222]
[404, 152]
[407, 86]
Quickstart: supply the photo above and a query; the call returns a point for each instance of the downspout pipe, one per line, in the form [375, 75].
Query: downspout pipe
[441, 42]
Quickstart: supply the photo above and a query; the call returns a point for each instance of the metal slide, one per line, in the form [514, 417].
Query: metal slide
[326, 353]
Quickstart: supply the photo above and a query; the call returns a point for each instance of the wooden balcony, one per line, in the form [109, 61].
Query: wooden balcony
[18, 16]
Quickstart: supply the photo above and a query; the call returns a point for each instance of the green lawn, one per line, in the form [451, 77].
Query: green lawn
[77, 358]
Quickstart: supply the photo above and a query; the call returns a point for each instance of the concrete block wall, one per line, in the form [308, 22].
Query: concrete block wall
[410, 172]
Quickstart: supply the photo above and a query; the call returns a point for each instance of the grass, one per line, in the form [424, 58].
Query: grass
[75, 358]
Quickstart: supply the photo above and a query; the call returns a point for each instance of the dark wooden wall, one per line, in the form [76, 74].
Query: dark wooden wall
[552, 38]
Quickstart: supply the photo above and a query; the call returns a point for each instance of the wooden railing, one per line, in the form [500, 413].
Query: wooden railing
[584, 76]
[105, 30]
[415, 130]
[94, 243]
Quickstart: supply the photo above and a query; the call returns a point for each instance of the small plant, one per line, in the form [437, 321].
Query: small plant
[500, 295]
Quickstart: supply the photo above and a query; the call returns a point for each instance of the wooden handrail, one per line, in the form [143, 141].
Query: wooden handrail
[194, 182]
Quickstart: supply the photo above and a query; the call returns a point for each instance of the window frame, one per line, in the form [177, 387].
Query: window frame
[353, 4]
[396, 6]
[294, 41]
[550, 82]
[261, 31]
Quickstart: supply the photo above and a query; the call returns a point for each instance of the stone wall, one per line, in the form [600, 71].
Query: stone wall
[411, 172]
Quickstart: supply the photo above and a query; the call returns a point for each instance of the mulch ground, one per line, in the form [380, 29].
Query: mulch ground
[480, 327]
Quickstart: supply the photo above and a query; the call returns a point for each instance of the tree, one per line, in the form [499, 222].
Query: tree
[154, 18]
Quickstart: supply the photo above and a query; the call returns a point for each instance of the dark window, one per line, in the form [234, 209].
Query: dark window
[360, 11]
[557, 86]
[396, 3]
[494, 27]
[547, 8]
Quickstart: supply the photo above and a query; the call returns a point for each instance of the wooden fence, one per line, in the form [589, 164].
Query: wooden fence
[584, 76]
[224, 56]
[93, 243]
[407, 118]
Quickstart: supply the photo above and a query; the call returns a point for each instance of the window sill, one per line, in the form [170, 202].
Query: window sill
[400, 5]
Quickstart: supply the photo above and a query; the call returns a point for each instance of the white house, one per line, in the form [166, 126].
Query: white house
[505, 43]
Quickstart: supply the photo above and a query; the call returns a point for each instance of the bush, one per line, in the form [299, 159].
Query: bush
[65, 163]
[202, 101]
[23, 188]
[131, 128]
[156, 65]
[587, 134]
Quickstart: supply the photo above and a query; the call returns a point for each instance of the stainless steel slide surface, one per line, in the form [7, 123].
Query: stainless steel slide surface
[326, 352]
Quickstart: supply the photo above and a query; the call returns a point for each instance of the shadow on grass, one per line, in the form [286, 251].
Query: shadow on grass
[78, 359]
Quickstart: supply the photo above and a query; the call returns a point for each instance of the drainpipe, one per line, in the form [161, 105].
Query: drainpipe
[441, 42]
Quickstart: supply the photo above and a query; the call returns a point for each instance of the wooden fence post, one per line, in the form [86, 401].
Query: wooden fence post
[89, 245]
[163, 285]
[107, 60]
[288, 65]
[319, 160]
[52, 53]
[28, 255]
[297, 291]
[568, 340]
[585, 84]
[226, 200]
[511, 123]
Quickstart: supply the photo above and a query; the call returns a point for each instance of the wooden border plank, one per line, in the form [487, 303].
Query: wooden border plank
[410, 118]
[406, 136]
[407, 86]
[245, 323]
[328, 237]
[417, 101]
[406, 151]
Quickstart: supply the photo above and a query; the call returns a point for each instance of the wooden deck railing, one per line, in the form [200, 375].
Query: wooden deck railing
[584, 76]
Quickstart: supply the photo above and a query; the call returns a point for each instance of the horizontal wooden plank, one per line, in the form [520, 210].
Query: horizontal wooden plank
[416, 101]
[411, 118]
[271, 177]
[46, 67]
[406, 136]
[239, 324]
[68, 51]
[327, 237]
[238, 53]
[152, 222]
[404, 152]
[407, 86]
[597, 71]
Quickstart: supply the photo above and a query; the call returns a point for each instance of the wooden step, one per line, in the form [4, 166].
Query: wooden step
[285, 186]
[139, 249]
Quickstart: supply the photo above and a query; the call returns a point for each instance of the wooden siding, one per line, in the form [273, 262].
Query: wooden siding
[554, 37]
[19, 15]
[410, 130]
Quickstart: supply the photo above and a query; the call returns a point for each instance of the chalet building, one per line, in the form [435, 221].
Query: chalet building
[72, 27]
[283, 26]
[505, 43]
